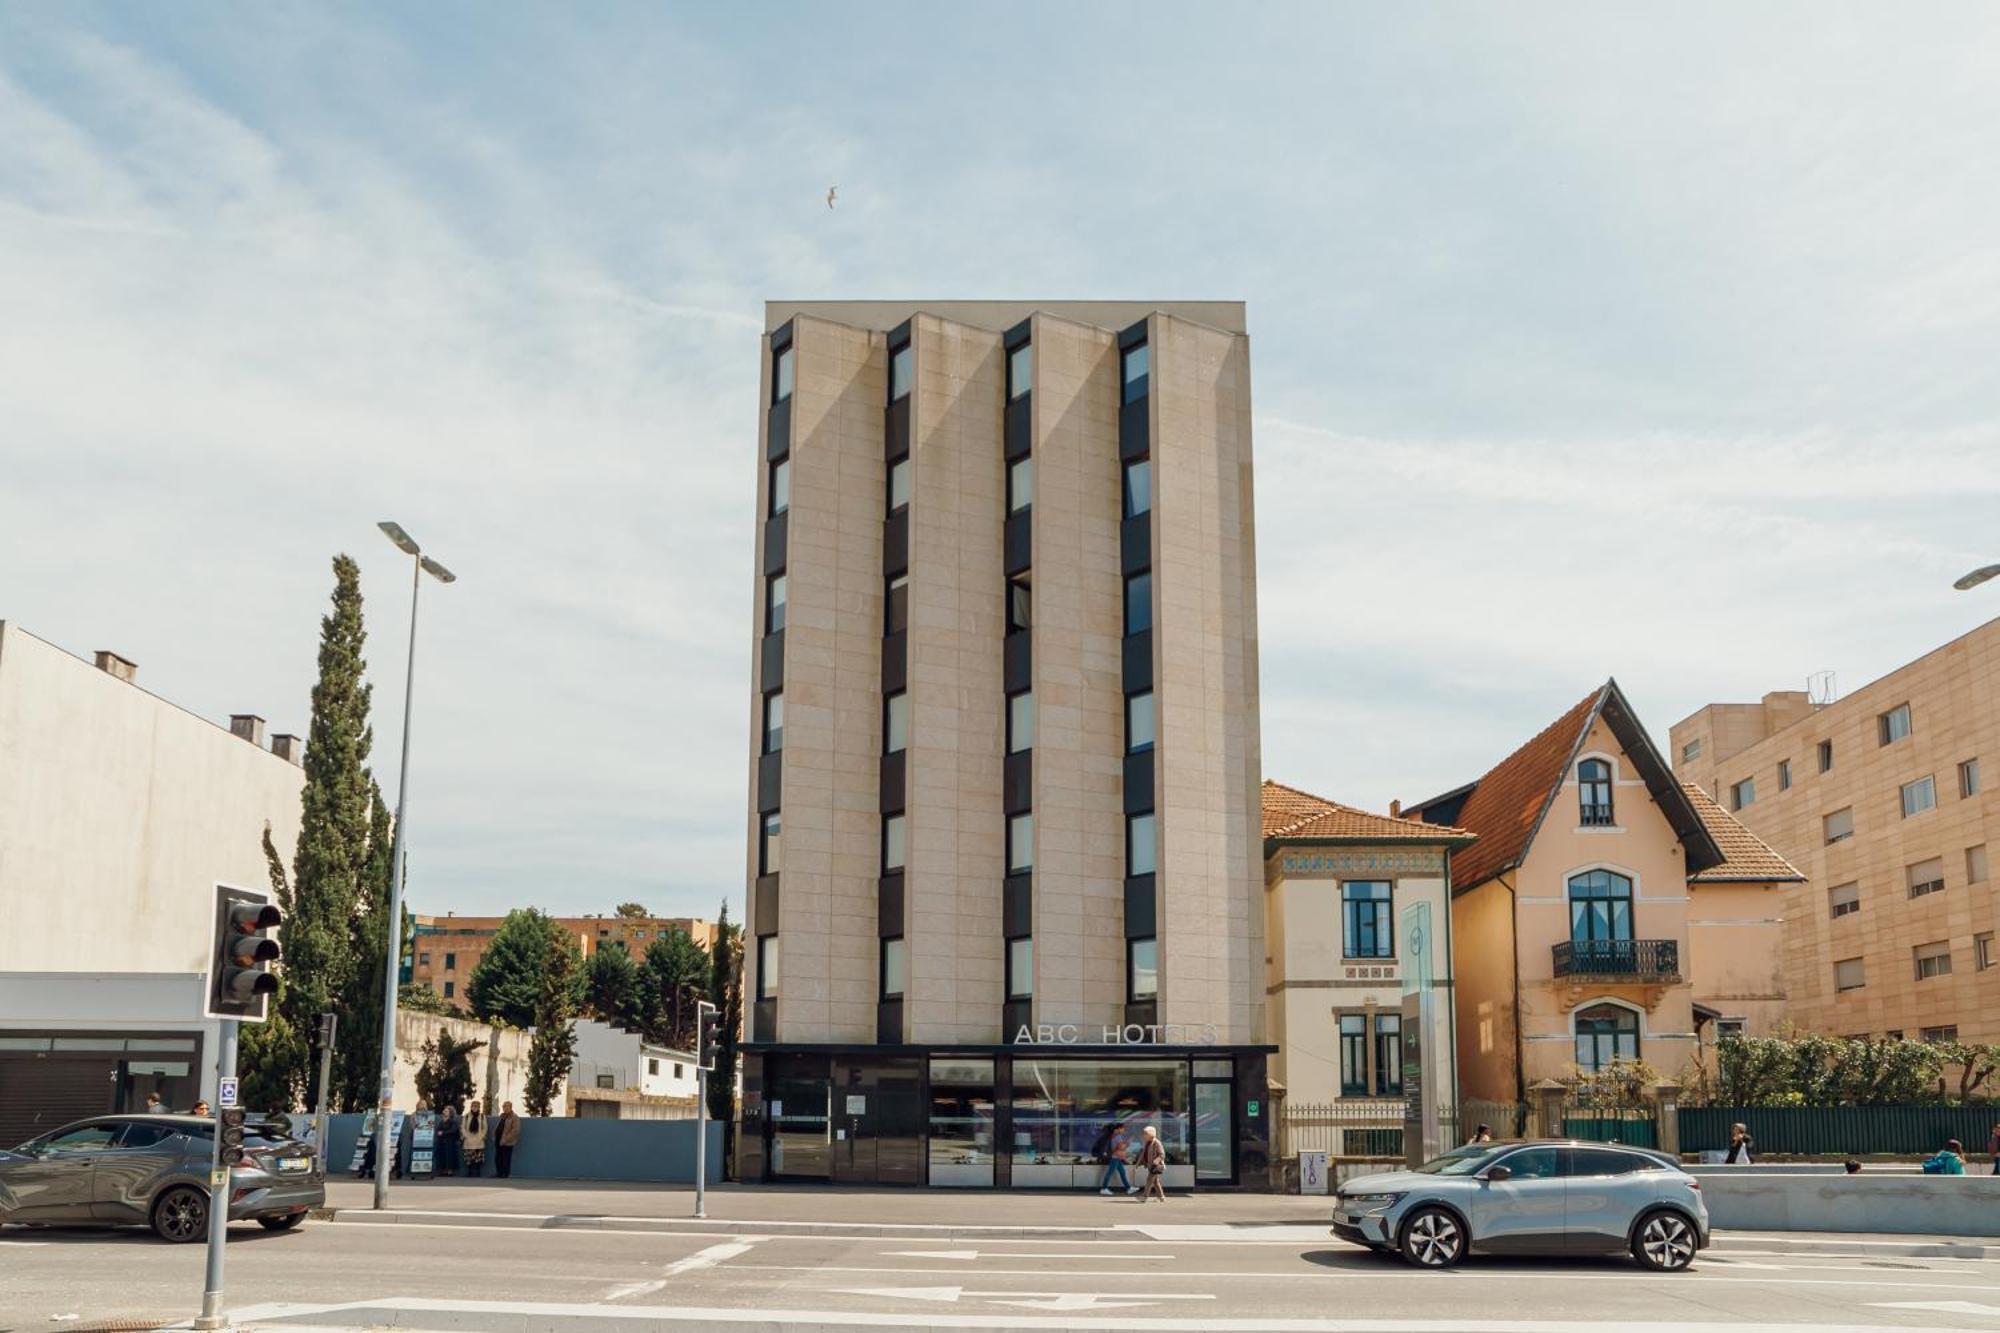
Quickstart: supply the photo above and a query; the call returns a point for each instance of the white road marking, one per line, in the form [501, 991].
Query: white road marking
[1038, 1300]
[989, 1254]
[1286, 1233]
[700, 1259]
[1942, 1307]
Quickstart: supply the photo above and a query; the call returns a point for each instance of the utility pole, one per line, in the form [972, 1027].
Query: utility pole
[328, 1025]
[218, 1182]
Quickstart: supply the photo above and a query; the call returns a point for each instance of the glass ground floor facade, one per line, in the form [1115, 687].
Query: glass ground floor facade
[1002, 1117]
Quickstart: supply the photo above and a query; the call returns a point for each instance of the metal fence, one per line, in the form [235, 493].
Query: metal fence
[1908, 1130]
[1371, 1129]
[1638, 1128]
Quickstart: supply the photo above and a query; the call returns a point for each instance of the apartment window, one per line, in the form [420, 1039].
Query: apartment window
[1848, 974]
[424, 959]
[1366, 931]
[895, 968]
[774, 603]
[1893, 1034]
[901, 362]
[1784, 775]
[767, 967]
[1692, 750]
[1020, 606]
[1919, 796]
[896, 723]
[896, 605]
[781, 375]
[1727, 1029]
[1138, 487]
[1600, 907]
[1021, 967]
[653, 1066]
[450, 989]
[1893, 725]
[1606, 1034]
[774, 722]
[1838, 826]
[1968, 779]
[899, 486]
[1020, 484]
[1141, 851]
[1975, 864]
[1354, 1055]
[1142, 970]
[781, 486]
[1388, 1055]
[677, 1070]
[1826, 756]
[1743, 793]
[1843, 900]
[1138, 722]
[1020, 370]
[1938, 1035]
[1982, 951]
[1139, 603]
[1020, 843]
[1933, 960]
[1137, 367]
[1020, 722]
[451, 962]
[770, 847]
[893, 849]
[1925, 877]
[607, 1080]
[1593, 788]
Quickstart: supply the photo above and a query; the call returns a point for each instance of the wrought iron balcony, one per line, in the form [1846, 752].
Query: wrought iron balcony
[1622, 960]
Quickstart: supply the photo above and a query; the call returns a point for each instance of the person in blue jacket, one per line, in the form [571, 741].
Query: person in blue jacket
[1950, 1161]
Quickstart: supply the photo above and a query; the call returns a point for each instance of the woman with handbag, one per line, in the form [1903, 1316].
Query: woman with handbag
[1153, 1161]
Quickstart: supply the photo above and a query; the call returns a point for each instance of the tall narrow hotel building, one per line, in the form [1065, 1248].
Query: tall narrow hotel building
[1005, 866]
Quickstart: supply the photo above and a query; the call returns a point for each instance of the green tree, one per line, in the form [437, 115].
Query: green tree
[632, 911]
[725, 992]
[445, 1076]
[615, 987]
[678, 971]
[358, 1059]
[552, 1050]
[420, 997]
[507, 985]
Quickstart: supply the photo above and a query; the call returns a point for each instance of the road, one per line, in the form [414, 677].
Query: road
[451, 1276]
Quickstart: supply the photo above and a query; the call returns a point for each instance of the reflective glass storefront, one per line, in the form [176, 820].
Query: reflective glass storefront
[1071, 1113]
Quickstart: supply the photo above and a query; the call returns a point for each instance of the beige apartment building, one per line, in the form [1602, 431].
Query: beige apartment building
[1606, 912]
[1004, 863]
[447, 948]
[1881, 800]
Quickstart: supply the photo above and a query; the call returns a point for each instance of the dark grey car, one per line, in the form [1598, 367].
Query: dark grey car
[152, 1170]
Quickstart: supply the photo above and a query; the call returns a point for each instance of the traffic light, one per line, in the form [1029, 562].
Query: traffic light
[232, 1135]
[709, 1019]
[237, 977]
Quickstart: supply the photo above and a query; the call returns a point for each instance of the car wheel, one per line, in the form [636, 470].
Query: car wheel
[181, 1215]
[1433, 1238]
[1665, 1242]
[285, 1223]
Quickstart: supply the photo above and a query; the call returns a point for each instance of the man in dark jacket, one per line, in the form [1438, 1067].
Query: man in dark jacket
[506, 1133]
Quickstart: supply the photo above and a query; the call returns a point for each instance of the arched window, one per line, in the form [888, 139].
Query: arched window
[1606, 1033]
[1593, 791]
[1600, 907]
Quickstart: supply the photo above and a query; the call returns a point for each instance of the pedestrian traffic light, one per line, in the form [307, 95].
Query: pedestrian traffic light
[710, 1027]
[237, 977]
[232, 1135]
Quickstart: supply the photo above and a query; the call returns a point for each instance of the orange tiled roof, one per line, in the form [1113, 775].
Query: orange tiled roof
[1291, 813]
[1507, 804]
[1746, 857]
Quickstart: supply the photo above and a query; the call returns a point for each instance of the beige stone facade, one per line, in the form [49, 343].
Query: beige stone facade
[1899, 887]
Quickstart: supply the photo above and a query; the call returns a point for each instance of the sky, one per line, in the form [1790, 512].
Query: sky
[1588, 340]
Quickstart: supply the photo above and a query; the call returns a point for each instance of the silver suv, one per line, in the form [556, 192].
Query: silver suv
[1544, 1197]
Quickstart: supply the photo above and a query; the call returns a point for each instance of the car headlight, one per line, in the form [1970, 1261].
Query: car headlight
[1369, 1203]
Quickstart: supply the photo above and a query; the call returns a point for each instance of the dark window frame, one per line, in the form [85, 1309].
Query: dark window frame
[895, 603]
[1132, 843]
[1016, 354]
[1152, 720]
[1143, 576]
[1138, 351]
[889, 701]
[903, 466]
[903, 362]
[1608, 1023]
[882, 968]
[1015, 984]
[1133, 995]
[1583, 889]
[1594, 794]
[1145, 463]
[768, 823]
[767, 945]
[1367, 917]
[781, 480]
[777, 597]
[1020, 594]
[784, 373]
[902, 866]
[1013, 747]
[1015, 466]
[774, 737]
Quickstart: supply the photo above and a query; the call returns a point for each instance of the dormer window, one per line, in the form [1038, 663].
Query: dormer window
[1593, 786]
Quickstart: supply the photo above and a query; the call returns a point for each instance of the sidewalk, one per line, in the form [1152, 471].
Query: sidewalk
[858, 1211]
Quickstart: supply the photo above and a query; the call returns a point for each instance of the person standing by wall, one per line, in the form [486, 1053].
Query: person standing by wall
[475, 1141]
[1153, 1161]
[1741, 1146]
[506, 1133]
[447, 1140]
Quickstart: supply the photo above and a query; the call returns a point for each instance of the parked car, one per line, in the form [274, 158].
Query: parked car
[152, 1170]
[1539, 1197]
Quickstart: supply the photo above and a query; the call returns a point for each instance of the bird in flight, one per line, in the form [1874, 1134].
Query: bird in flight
[832, 191]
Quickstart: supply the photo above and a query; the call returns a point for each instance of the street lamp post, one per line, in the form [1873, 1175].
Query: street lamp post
[1976, 577]
[385, 1142]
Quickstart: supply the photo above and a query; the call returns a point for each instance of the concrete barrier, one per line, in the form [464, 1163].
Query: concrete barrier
[1741, 1199]
[568, 1149]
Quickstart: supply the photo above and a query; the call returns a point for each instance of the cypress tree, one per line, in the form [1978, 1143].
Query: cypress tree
[725, 992]
[552, 1050]
[358, 1063]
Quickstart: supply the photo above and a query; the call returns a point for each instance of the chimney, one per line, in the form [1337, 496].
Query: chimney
[288, 747]
[122, 667]
[249, 726]
[1395, 809]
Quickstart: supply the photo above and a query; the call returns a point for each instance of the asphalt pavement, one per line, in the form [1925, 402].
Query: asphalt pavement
[1157, 1267]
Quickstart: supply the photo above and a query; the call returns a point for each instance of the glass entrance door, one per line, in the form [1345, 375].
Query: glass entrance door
[1214, 1133]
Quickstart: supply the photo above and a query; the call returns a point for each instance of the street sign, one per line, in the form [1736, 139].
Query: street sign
[219, 1178]
[225, 1091]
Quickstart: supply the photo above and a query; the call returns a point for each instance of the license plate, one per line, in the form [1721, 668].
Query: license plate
[295, 1163]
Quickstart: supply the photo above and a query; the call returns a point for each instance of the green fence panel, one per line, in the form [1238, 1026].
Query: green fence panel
[1612, 1129]
[1842, 1130]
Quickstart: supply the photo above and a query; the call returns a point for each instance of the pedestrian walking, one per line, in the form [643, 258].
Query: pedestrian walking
[1484, 1134]
[506, 1133]
[1949, 1161]
[1741, 1146]
[447, 1140]
[1993, 1149]
[1112, 1152]
[474, 1135]
[200, 1108]
[1153, 1161]
[154, 1106]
